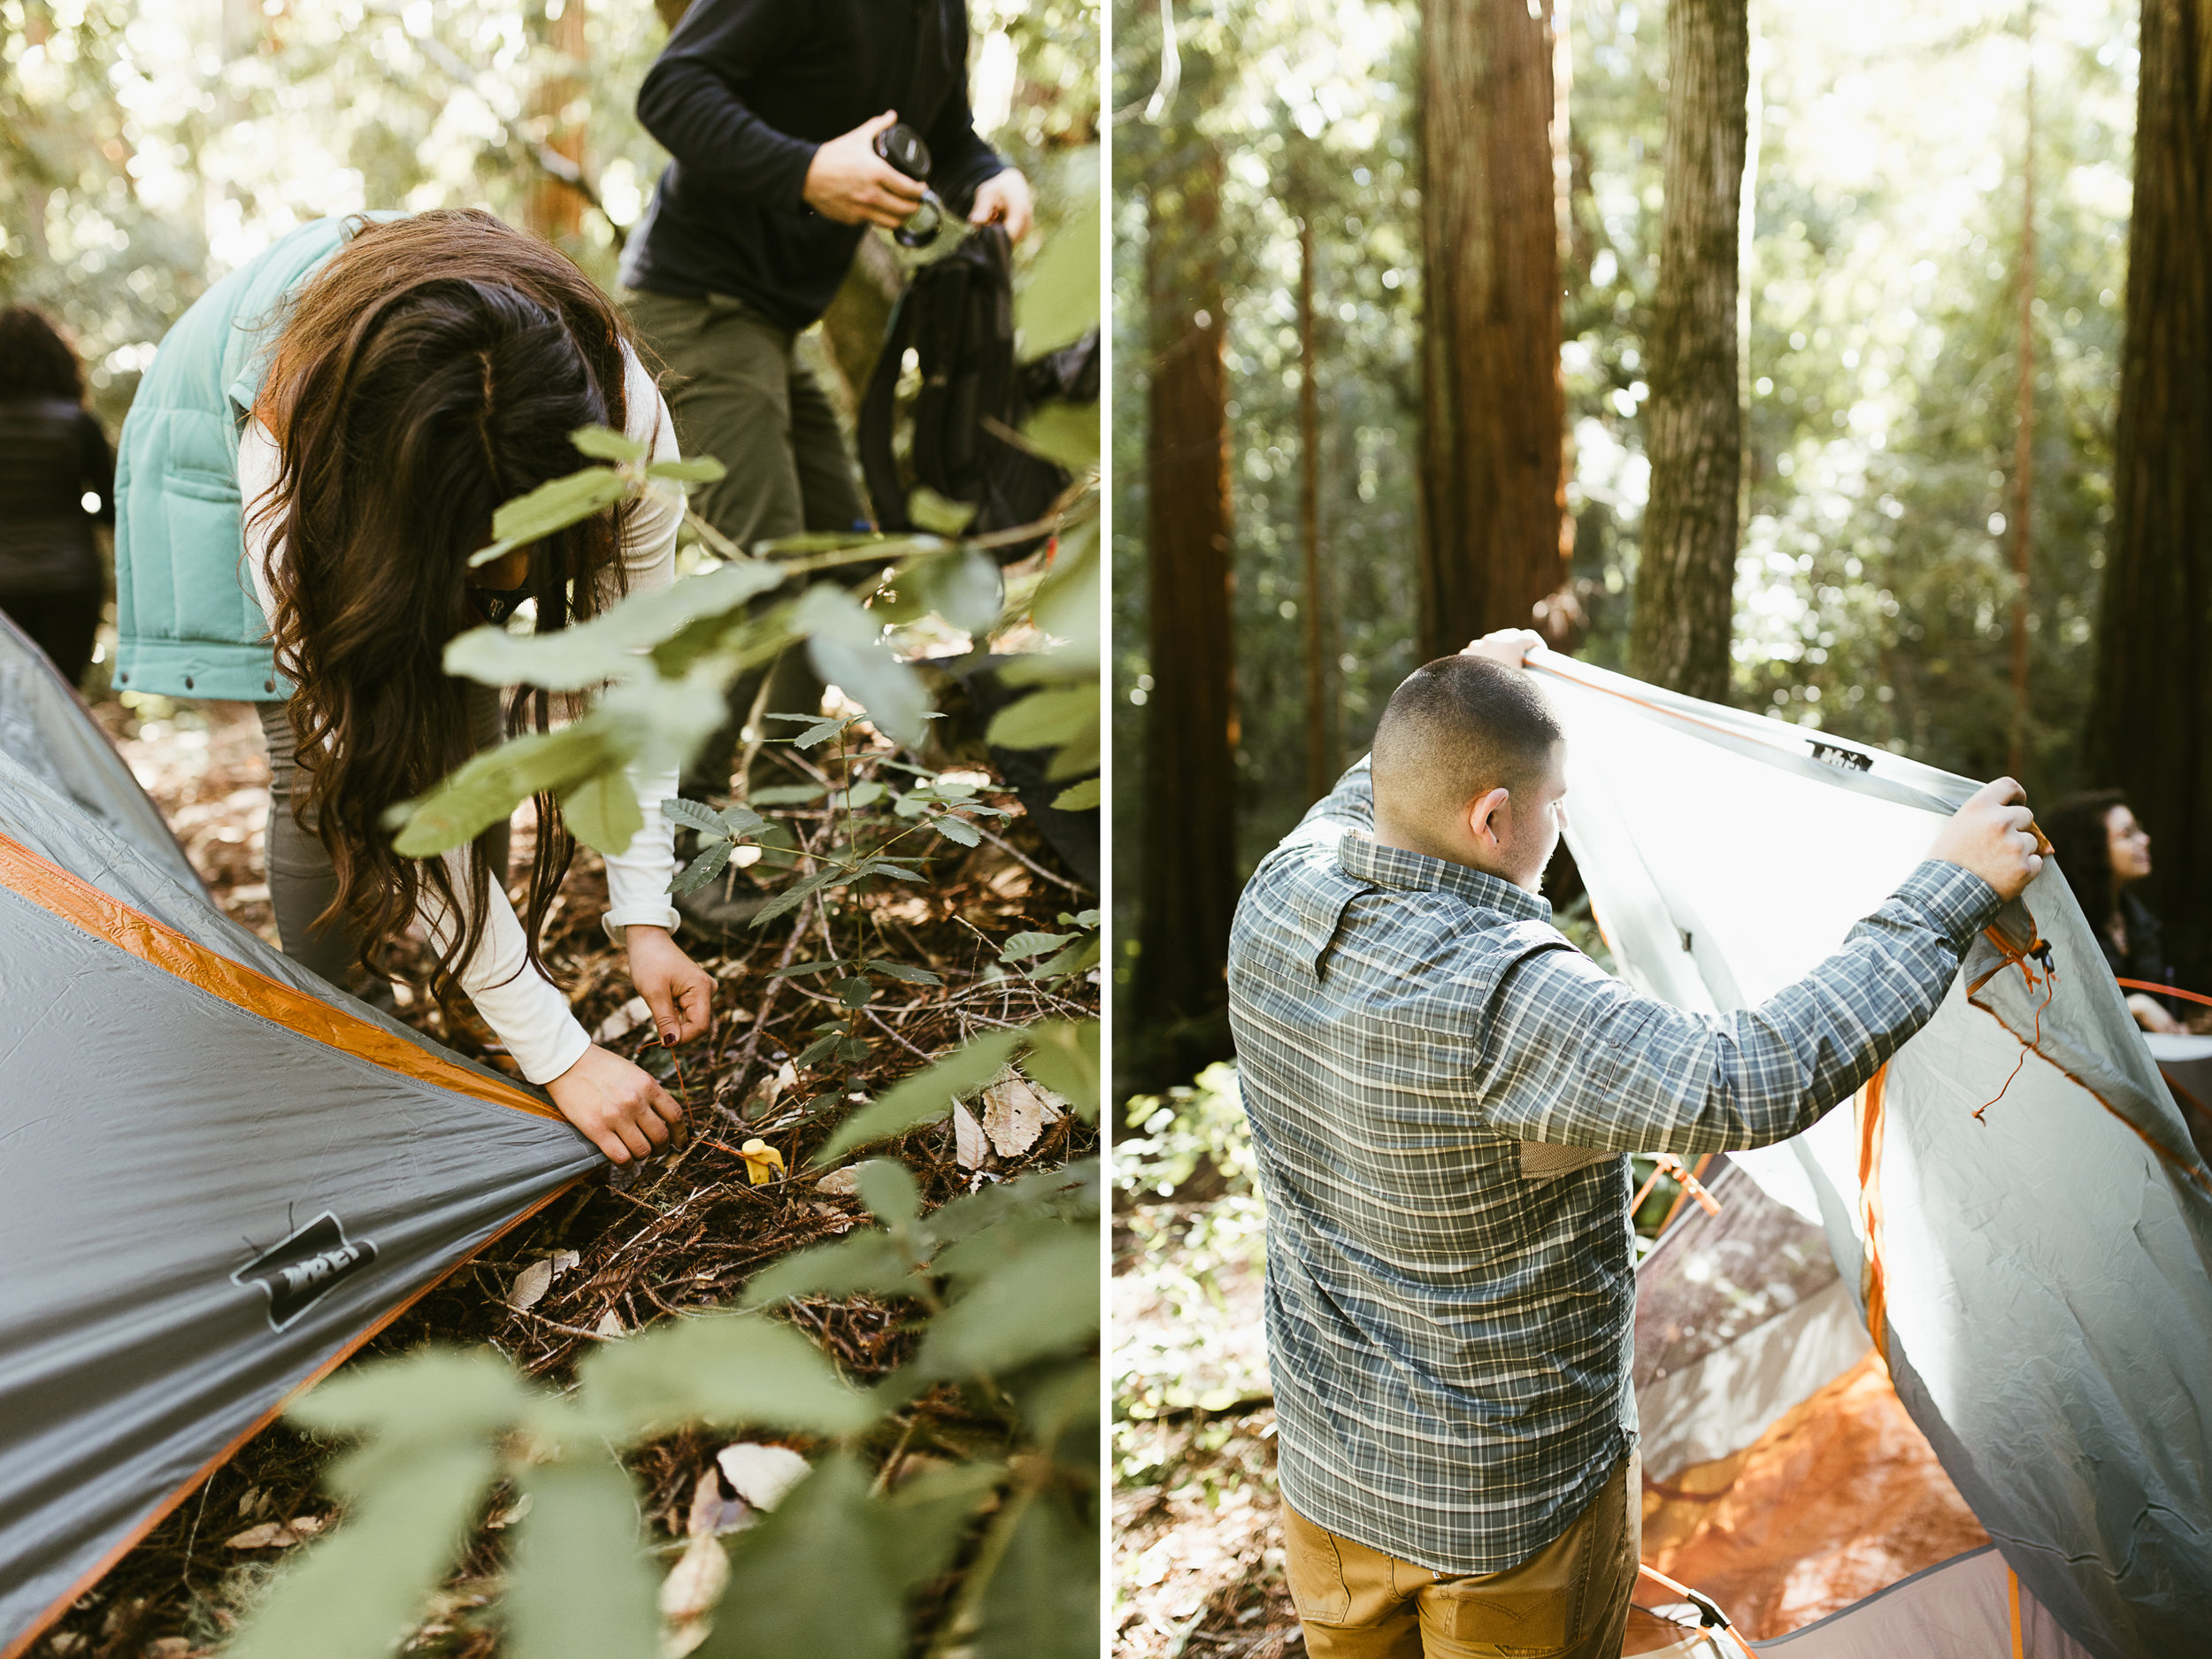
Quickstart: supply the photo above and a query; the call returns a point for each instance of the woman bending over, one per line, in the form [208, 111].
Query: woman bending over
[370, 391]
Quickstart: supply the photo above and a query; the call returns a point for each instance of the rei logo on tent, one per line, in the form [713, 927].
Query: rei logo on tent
[305, 1267]
[1841, 758]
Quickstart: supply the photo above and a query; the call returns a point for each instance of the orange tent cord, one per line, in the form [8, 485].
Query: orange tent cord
[50, 887]
[1873, 1286]
[2012, 1585]
[2164, 990]
[1697, 1601]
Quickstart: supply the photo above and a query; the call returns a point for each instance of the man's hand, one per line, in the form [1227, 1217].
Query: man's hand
[679, 991]
[1989, 835]
[1513, 647]
[2151, 1016]
[1004, 197]
[847, 181]
[620, 1110]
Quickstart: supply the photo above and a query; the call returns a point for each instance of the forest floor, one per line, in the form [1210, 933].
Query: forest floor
[680, 1234]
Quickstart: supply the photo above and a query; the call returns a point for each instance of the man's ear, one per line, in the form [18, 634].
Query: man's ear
[1482, 815]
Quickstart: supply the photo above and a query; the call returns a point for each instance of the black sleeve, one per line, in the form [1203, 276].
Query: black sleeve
[688, 103]
[959, 159]
[99, 465]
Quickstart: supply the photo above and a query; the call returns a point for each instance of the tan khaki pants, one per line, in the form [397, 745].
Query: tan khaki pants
[1568, 1601]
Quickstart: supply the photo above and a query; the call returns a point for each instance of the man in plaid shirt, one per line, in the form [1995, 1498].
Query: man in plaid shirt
[1442, 1092]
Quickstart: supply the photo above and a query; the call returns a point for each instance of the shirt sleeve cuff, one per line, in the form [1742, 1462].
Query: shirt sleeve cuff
[1956, 902]
[559, 1052]
[618, 923]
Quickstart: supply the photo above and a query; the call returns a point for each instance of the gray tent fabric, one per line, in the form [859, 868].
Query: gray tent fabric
[1738, 1317]
[2019, 1193]
[1960, 1609]
[46, 729]
[217, 1175]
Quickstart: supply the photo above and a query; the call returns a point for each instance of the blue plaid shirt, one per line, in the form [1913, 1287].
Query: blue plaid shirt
[1450, 1335]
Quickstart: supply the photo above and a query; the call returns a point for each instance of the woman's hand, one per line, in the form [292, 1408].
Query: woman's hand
[619, 1108]
[679, 991]
[1004, 197]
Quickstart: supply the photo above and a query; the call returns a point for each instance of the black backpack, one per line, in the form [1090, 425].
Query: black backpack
[957, 317]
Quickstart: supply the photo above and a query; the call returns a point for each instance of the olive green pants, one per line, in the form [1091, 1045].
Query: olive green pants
[1568, 1601]
[740, 394]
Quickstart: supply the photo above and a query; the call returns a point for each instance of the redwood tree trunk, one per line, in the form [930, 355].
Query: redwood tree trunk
[1187, 878]
[1685, 572]
[1493, 542]
[2151, 728]
[555, 211]
[1321, 758]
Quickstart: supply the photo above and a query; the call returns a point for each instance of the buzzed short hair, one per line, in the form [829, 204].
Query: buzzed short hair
[1457, 729]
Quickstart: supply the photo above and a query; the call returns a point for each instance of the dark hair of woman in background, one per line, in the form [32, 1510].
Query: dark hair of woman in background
[56, 480]
[2104, 852]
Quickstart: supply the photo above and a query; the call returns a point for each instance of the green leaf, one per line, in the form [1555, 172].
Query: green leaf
[1042, 1603]
[603, 443]
[926, 1096]
[1059, 302]
[1023, 946]
[553, 505]
[1077, 957]
[962, 585]
[694, 469]
[603, 812]
[693, 816]
[1047, 719]
[787, 794]
[864, 794]
[1070, 1193]
[937, 514]
[864, 1264]
[820, 733]
[800, 970]
[488, 788]
[790, 898]
[957, 829]
[825, 1573]
[854, 992]
[412, 1492]
[889, 1190]
[902, 971]
[1043, 1300]
[1066, 433]
[611, 646]
[579, 1582]
[1064, 1057]
[819, 1050]
[704, 868]
[742, 820]
[740, 1370]
[1059, 1406]
[852, 1051]
[847, 652]
[1080, 797]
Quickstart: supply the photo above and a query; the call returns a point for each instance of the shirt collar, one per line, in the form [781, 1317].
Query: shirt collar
[1366, 859]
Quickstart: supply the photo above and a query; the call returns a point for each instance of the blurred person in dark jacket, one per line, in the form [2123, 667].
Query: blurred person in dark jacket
[56, 480]
[2104, 853]
[770, 113]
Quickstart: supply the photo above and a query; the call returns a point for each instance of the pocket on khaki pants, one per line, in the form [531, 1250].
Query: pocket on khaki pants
[1315, 1568]
[1481, 1616]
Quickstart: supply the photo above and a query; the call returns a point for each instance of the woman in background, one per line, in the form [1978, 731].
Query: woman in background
[2104, 852]
[56, 480]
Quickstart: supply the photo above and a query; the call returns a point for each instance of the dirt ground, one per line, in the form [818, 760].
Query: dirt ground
[683, 1233]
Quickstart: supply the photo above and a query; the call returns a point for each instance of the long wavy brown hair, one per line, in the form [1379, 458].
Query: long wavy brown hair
[432, 368]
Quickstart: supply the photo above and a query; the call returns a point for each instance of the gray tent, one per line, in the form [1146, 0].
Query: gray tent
[218, 1175]
[2016, 1214]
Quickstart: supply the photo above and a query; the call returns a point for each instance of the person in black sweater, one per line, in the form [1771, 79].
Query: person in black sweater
[2104, 852]
[770, 113]
[56, 480]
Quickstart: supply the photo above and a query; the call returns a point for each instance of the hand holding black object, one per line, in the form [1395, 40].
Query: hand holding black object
[849, 182]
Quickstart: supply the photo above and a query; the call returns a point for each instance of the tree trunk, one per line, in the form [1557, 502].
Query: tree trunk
[1494, 531]
[1187, 878]
[1686, 572]
[2151, 728]
[555, 211]
[1321, 757]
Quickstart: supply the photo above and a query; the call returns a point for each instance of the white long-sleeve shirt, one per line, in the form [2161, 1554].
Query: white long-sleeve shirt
[527, 1013]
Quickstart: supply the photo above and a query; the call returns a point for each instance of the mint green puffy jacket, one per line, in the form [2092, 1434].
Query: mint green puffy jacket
[185, 605]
